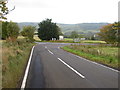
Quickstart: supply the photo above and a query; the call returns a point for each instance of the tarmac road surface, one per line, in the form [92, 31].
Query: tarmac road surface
[52, 67]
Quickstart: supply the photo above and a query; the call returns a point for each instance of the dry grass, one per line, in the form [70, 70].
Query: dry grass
[0, 67]
[21, 37]
[36, 38]
[6, 52]
[2, 41]
[14, 58]
[92, 41]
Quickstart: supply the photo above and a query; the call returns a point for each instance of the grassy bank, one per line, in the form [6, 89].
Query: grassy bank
[14, 58]
[102, 54]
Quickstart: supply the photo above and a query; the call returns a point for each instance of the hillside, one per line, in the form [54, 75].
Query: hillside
[27, 23]
[81, 28]
[68, 28]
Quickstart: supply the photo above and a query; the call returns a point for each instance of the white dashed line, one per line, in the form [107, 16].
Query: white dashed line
[71, 68]
[45, 46]
[26, 71]
[50, 51]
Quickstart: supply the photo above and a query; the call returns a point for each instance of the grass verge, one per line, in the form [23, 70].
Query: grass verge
[14, 59]
[101, 54]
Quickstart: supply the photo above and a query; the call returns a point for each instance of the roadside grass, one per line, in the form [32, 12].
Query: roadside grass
[102, 54]
[0, 64]
[14, 59]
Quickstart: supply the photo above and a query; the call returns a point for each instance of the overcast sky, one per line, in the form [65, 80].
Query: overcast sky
[64, 11]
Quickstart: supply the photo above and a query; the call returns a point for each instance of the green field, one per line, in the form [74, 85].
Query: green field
[92, 41]
[14, 58]
[102, 54]
[70, 40]
[35, 37]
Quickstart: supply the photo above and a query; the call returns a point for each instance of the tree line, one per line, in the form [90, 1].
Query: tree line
[48, 30]
[110, 33]
[10, 31]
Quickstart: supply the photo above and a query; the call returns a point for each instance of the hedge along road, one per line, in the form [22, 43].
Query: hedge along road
[52, 67]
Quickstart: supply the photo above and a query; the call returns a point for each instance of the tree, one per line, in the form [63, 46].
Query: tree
[116, 27]
[74, 34]
[48, 30]
[4, 9]
[28, 32]
[4, 30]
[108, 34]
[12, 31]
[81, 35]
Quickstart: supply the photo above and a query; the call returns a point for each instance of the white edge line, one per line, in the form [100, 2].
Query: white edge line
[71, 68]
[96, 63]
[26, 71]
[50, 51]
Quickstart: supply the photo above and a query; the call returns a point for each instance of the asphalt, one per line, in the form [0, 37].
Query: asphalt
[47, 71]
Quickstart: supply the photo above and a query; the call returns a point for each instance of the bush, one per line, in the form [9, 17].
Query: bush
[28, 32]
[10, 31]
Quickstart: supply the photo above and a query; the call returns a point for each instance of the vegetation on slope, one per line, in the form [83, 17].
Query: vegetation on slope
[14, 59]
[102, 54]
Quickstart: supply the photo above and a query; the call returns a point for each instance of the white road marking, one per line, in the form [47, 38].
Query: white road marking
[50, 51]
[97, 63]
[58, 47]
[45, 46]
[26, 71]
[42, 43]
[71, 68]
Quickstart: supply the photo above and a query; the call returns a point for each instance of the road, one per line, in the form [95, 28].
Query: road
[52, 67]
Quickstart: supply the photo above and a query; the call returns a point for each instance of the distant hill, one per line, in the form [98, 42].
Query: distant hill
[27, 23]
[68, 28]
[82, 27]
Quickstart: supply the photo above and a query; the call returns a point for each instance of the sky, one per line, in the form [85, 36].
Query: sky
[64, 11]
